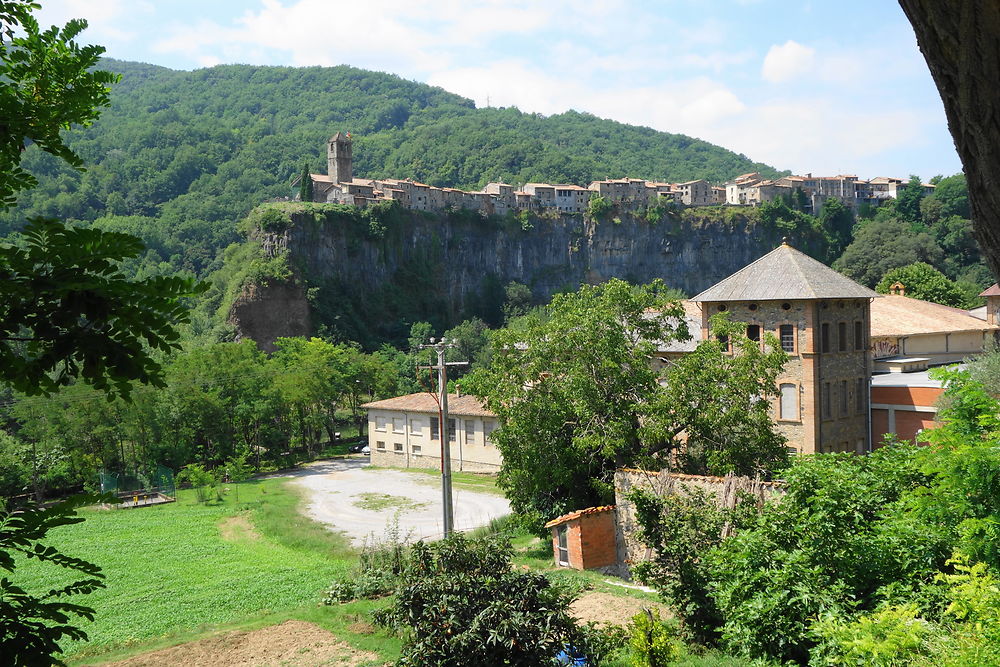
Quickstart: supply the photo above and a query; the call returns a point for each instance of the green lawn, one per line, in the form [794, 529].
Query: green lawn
[180, 569]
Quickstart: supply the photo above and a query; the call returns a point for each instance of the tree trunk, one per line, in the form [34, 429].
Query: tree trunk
[960, 40]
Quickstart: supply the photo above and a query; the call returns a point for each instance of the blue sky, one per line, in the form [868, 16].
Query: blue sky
[815, 87]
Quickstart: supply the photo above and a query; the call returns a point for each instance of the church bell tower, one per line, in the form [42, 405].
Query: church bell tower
[339, 158]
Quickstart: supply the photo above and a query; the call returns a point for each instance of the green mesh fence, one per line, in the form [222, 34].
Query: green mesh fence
[156, 478]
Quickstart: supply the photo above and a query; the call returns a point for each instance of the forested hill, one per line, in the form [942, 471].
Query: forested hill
[181, 156]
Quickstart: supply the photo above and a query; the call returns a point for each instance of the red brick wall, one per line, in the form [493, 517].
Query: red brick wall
[908, 423]
[598, 547]
[590, 540]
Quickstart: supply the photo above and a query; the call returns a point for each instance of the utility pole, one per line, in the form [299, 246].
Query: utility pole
[443, 431]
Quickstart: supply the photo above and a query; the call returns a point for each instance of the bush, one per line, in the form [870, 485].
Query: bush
[461, 603]
[653, 642]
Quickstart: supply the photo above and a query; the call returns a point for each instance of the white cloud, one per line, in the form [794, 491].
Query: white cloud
[104, 18]
[787, 61]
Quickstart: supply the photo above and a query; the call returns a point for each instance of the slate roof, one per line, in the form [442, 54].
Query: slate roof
[463, 405]
[692, 316]
[785, 273]
[992, 291]
[895, 315]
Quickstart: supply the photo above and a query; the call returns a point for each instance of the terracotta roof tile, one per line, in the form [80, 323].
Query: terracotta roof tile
[424, 402]
[992, 291]
[895, 315]
[577, 514]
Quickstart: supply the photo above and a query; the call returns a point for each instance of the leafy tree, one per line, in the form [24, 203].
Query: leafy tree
[517, 300]
[66, 311]
[952, 193]
[714, 411]
[576, 397]
[567, 386]
[882, 245]
[50, 83]
[908, 200]
[923, 281]
[838, 221]
[462, 601]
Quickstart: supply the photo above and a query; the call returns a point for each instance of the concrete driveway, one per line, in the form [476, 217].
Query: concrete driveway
[361, 502]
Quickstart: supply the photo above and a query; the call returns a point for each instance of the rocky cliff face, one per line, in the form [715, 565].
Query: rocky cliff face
[371, 285]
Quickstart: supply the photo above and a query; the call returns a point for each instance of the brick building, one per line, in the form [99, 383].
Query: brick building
[585, 539]
[822, 320]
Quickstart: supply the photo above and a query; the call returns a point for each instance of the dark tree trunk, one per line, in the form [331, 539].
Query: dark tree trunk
[960, 40]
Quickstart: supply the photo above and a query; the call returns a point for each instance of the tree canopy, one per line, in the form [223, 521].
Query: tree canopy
[577, 396]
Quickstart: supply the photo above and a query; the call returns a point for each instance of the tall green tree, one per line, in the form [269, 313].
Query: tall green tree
[908, 200]
[881, 245]
[577, 397]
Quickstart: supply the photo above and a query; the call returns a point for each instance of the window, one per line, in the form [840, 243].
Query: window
[753, 332]
[435, 428]
[380, 423]
[451, 430]
[788, 408]
[786, 332]
[417, 427]
[470, 431]
[399, 424]
[842, 336]
[562, 546]
[826, 401]
[843, 401]
[379, 444]
[859, 337]
[861, 446]
[488, 427]
[825, 337]
[397, 447]
[415, 449]
[860, 394]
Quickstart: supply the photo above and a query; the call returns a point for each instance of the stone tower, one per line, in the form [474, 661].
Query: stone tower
[822, 320]
[339, 158]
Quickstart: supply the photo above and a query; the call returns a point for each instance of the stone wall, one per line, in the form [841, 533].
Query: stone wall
[723, 489]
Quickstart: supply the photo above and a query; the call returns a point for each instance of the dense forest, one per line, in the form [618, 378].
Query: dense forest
[181, 156]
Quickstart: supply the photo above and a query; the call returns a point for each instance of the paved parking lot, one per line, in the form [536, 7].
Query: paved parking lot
[336, 488]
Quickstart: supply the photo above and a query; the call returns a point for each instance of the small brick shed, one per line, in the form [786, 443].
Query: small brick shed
[585, 539]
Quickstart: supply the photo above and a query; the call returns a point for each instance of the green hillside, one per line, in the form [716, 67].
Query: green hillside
[181, 156]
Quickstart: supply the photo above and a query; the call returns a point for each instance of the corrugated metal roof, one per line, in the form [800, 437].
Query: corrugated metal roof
[785, 273]
[464, 405]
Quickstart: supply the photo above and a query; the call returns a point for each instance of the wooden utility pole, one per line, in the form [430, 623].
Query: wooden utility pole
[444, 432]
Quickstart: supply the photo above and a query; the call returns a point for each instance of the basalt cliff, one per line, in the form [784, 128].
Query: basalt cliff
[368, 274]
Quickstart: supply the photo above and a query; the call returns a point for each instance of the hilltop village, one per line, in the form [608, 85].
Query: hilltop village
[339, 185]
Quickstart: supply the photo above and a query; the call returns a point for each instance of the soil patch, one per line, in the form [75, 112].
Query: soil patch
[237, 529]
[291, 644]
[606, 608]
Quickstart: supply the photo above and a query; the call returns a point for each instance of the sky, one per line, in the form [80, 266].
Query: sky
[812, 86]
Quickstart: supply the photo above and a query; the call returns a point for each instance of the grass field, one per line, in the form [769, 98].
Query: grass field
[181, 569]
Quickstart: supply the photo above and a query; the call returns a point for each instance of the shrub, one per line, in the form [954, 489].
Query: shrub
[653, 642]
[461, 603]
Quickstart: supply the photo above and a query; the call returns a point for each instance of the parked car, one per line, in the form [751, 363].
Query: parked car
[366, 450]
[357, 447]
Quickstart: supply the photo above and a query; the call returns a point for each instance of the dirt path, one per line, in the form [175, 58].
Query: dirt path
[291, 644]
[606, 608]
[349, 497]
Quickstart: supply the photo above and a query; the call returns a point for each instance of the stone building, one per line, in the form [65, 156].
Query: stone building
[821, 319]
